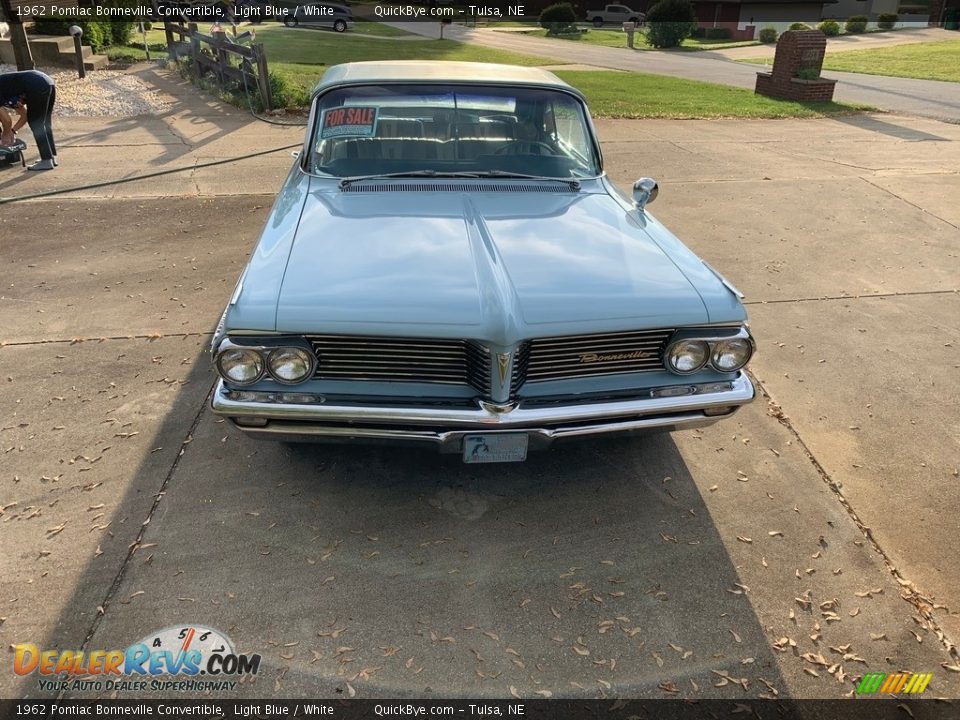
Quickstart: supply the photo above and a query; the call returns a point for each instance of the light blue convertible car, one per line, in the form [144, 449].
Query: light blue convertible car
[448, 264]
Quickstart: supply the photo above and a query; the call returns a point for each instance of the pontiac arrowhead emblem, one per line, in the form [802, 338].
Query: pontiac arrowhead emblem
[503, 364]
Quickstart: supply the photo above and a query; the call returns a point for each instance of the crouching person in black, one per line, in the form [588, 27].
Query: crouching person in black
[31, 94]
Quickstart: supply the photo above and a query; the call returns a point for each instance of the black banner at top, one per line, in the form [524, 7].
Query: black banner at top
[226, 11]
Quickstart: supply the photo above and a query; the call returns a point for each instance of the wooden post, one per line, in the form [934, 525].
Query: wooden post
[263, 77]
[194, 51]
[222, 59]
[18, 38]
[169, 38]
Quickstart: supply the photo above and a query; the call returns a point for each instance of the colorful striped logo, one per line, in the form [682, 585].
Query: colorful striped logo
[891, 683]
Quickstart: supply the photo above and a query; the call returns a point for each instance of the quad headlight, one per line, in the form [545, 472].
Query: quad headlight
[687, 356]
[725, 352]
[290, 365]
[731, 355]
[240, 366]
[244, 365]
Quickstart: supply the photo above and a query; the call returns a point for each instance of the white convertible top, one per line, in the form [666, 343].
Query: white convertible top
[441, 72]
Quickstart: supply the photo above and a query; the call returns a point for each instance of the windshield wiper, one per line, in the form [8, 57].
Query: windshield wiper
[345, 182]
[573, 183]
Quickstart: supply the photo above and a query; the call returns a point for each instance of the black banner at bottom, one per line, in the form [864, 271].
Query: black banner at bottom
[616, 709]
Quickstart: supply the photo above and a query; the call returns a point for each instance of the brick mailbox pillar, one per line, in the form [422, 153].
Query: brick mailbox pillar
[796, 69]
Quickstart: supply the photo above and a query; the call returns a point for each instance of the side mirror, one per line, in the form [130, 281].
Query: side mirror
[645, 191]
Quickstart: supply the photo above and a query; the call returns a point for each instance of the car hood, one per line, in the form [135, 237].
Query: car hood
[499, 266]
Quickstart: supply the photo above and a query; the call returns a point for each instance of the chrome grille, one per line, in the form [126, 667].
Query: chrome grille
[560, 358]
[521, 362]
[456, 362]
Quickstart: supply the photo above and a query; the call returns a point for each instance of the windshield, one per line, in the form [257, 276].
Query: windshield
[387, 129]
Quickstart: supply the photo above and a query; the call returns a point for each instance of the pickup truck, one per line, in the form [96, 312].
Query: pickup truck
[614, 15]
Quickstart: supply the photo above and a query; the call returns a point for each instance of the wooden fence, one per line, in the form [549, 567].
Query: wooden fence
[223, 56]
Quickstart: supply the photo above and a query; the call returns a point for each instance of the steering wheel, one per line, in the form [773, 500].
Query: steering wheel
[509, 145]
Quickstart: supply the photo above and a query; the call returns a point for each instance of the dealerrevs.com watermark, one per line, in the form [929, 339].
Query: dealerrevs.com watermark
[187, 658]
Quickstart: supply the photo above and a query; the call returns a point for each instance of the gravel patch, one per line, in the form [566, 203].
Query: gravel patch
[113, 93]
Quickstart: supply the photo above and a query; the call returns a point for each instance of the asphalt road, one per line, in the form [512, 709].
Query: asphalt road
[649, 567]
[929, 98]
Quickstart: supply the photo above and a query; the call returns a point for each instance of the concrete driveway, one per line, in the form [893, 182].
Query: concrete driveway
[788, 550]
[929, 98]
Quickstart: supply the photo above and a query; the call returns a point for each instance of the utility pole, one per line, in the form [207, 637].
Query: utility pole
[18, 37]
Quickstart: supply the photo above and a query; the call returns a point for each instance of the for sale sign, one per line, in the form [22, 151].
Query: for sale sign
[360, 121]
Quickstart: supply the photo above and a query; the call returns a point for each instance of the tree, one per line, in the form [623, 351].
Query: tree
[670, 22]
[558, 18]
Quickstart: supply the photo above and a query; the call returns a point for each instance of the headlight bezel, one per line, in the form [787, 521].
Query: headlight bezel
[714, 338]
[668, 354]
[310, 358]
[265, 349]
[225, 351]
[715, 351]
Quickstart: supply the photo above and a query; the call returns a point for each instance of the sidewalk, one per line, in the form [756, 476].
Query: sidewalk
[930, 98]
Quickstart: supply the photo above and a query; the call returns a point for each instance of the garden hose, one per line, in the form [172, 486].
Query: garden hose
[158, 173]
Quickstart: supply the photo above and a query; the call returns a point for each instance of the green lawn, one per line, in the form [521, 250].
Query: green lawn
[321, 48]
[926, 61]
[300, 58]
[617, 38]
[637, 95]
[134, 50]
[365, 27]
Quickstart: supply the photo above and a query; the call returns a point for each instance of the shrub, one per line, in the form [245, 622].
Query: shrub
[768, 34]
[286, 94]
[558, 18]
[856, 24]
[98, 34]
[670, 22]
[886, 21]
[830, 28]
[120, 32]
[800, 26]
[718, 33]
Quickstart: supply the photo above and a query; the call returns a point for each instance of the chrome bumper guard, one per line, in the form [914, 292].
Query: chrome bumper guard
[445, 427]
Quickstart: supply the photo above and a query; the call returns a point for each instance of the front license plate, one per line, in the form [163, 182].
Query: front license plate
[499, 447]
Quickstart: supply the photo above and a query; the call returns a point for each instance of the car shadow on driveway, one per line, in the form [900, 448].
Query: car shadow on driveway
[593, 569]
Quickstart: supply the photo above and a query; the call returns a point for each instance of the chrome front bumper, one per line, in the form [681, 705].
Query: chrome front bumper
[446, 427]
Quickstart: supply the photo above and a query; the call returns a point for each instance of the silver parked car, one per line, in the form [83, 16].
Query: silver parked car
[448, 264]
[334, 17]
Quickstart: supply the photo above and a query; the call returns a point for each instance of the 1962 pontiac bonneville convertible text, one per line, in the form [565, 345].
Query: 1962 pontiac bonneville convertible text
[448, 264]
